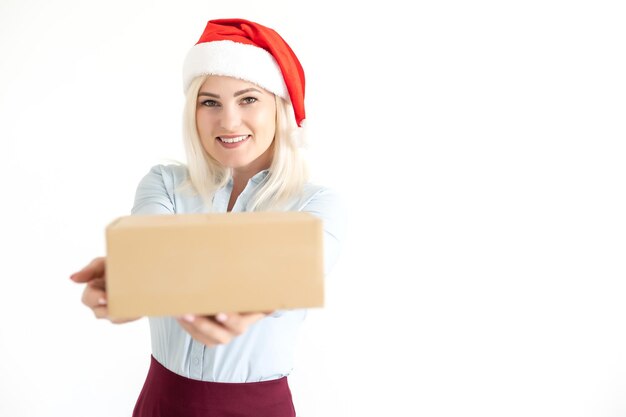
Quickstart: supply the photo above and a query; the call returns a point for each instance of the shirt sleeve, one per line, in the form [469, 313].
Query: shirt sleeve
[327, 205]
[152, 196]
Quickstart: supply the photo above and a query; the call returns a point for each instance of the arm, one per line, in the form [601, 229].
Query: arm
[222, 328]
[94, 294]
[151, 198]
[328, 206]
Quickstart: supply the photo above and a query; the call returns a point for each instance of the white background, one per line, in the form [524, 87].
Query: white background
[480, 149]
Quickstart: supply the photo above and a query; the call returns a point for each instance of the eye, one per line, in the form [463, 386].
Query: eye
[210, 103]
[249, 100]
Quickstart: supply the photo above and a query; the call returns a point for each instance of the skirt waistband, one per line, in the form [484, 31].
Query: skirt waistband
[166, 394]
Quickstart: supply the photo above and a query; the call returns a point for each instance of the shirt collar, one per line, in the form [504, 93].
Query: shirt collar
[256, 178]
[260, 176]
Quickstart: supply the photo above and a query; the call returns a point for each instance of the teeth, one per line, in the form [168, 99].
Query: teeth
[233, 140]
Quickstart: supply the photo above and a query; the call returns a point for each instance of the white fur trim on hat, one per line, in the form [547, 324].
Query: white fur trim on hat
[234, 59]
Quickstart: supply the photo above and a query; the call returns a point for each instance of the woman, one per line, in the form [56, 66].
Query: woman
[242, 122]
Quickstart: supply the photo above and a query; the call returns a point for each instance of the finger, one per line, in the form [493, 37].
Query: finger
[205, 330]
[94, 297]
[238, 323]
[95, 268]
[189, 328]
[97, 283]
[121, 321]
[101, 312]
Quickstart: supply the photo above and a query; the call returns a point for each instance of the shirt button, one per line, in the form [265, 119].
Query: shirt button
[196, 361]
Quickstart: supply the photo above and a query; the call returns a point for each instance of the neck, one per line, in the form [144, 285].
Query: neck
[241, 177]
[240, 180]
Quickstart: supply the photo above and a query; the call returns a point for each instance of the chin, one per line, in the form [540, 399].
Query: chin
[235, 164]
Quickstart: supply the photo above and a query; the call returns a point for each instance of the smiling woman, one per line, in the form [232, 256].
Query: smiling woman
[236, 125]
[288, 171]
[242, 127]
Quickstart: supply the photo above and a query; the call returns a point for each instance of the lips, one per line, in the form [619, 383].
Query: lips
[232, 139]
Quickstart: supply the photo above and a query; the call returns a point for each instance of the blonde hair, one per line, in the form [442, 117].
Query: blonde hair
[287, 174]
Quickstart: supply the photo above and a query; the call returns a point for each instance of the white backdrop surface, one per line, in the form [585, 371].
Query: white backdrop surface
[480, 147]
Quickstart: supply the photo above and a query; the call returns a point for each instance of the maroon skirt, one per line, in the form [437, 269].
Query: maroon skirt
[166, 394]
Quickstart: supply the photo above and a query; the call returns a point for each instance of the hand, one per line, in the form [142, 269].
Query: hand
[94, 294]
[219, 329]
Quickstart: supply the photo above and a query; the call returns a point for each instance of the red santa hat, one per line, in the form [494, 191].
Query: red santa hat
[251, 52]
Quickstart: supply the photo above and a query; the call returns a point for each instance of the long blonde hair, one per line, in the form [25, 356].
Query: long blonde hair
[287, 174]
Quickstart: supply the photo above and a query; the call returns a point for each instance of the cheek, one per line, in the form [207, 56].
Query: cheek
[203, 125]
[266, 121]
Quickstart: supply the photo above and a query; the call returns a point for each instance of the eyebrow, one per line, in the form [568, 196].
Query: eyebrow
[237, 93]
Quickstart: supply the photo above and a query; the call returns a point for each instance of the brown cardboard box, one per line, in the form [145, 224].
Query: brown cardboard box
[208, 263]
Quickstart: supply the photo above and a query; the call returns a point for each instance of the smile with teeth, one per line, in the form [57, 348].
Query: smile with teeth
[233, 140]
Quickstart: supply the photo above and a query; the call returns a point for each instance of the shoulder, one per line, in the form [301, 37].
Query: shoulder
[169, 174]
[156, 192]
[320, 196]
[328, 204]
[166, 177]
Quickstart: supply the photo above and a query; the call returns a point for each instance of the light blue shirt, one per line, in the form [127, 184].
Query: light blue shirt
[265, 351]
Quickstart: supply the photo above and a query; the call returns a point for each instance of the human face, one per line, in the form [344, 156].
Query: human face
[236, 123]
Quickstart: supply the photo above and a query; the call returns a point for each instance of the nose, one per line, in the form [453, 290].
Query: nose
[230, 118]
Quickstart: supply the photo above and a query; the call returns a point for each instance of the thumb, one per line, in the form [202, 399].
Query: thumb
[95, 269]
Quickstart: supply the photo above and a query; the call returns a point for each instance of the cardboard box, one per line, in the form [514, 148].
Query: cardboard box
[162, 265]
